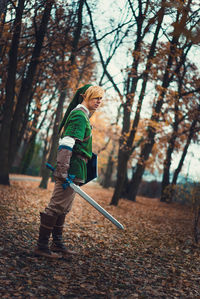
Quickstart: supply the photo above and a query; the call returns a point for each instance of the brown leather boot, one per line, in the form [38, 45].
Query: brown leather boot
[47, 223]
[58, 244]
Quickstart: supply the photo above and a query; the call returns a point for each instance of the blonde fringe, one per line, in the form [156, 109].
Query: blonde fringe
[93, 92]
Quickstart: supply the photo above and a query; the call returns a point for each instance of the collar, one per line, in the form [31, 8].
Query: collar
[85, 109]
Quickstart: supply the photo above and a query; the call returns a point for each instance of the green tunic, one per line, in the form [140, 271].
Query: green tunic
[78, 126]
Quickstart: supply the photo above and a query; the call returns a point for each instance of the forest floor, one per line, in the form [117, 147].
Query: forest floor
[154, 257]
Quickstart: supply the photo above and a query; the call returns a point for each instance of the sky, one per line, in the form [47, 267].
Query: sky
[107, 9]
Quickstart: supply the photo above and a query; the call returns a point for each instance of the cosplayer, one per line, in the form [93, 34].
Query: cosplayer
[74, 152]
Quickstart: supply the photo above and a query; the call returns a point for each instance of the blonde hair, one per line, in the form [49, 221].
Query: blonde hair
[93, 91]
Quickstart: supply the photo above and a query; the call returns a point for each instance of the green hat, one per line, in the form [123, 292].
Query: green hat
[77, 99]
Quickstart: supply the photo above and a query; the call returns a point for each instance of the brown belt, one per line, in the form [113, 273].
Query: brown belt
[82, 158]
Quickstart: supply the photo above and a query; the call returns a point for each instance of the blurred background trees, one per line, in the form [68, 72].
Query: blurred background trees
[143, 53]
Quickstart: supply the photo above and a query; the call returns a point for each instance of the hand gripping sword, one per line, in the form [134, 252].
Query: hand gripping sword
[89, 199]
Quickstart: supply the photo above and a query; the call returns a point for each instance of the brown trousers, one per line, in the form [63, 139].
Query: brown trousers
[61, 200]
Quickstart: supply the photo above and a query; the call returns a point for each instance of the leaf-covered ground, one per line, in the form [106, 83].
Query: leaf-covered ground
[153, 258]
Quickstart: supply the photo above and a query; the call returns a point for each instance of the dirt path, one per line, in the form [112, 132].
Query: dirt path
[19, 177]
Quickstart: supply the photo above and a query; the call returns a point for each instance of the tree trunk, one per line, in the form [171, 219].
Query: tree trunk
[190, 136]
[55, 138]
[3, 11]
[167, 163]
[196, 223]
[16, 166]
[166, 173]
[28, 155]
[9, 101]
[151, 132]
[180, 165]
[3, 6]
[123, 155]
[109, 170]
[126, 187]
[140, 167]
[26, 88]
[46, 147]
[121, 175]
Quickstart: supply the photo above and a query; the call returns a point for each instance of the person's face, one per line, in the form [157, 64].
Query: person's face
[93, 103]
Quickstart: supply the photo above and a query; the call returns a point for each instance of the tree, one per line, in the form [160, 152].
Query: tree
[3, 5]
[107, 180]
[128, 134]
[185, 124]
[27, 83]
[38, 68]
[9, 100]
[145, 73]
[181, 19]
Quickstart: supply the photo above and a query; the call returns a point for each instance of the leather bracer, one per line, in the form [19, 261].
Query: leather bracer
[63, 163]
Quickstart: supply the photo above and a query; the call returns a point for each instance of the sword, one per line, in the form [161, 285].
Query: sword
[89, 199]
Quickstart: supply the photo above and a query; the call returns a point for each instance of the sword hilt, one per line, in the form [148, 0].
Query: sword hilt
[68, 181]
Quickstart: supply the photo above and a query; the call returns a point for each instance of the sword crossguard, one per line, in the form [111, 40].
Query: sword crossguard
[68, 181]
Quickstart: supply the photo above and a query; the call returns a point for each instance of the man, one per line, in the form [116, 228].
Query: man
[75, 149]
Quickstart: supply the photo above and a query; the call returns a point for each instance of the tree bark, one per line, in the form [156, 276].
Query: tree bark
[166, 171]
[109, 170]
[123, 152]
[190, 136]
[28, 154]
[167, 162]
[46, 148]
[3, 11]
[140, 167]
[9, 100]
[197, 223]
[26, 87]
[121, 175]
[29, 141]
[55, 138]
[3, 5]
[184, 153]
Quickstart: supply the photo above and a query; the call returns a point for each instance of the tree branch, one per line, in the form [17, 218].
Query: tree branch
[100, 54]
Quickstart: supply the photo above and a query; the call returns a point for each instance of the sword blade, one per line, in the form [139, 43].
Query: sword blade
[99, 208]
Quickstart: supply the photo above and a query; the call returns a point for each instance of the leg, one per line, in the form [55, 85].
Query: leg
[47, 223]
[54, 216]
[66, 198]
[58, 244]
[61, 200]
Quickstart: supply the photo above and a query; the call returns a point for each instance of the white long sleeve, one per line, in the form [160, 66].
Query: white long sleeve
[67, 141]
